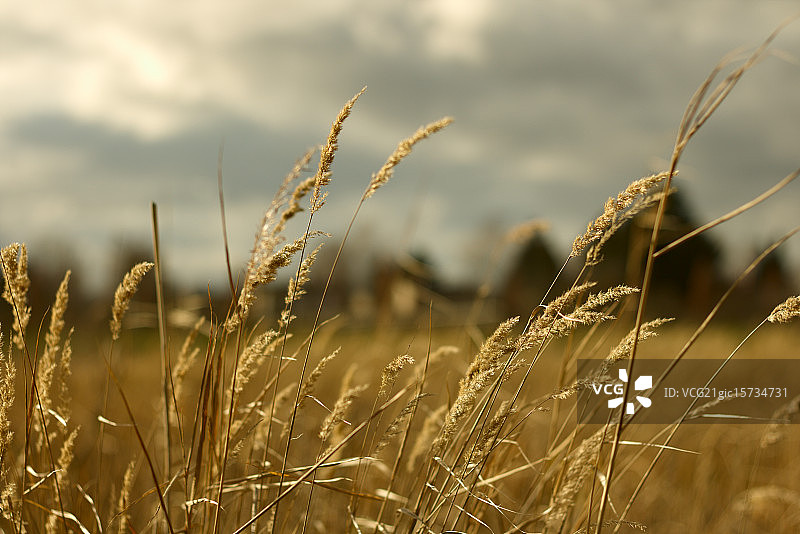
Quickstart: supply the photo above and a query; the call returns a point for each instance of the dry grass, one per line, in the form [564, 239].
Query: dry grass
[257, 428]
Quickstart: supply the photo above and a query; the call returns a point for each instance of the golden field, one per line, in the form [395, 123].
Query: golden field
[299, 420]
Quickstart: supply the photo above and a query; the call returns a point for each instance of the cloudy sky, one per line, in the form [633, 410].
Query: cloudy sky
[107, 106]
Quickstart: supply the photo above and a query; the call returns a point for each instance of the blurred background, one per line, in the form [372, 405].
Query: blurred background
[557, 105]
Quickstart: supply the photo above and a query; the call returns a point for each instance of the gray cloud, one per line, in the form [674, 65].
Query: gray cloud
[558, 105]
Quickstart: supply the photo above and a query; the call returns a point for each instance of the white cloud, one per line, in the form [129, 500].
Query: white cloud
[454, 28]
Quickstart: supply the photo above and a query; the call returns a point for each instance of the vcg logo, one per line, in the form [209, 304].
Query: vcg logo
[643, 383]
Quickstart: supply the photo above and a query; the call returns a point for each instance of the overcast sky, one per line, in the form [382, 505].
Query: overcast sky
[107, 106]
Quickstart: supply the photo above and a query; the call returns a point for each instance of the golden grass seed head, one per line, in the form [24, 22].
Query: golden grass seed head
[67, 454]
[53, 336]
[186, 358]
[544, 323]
[9, 496]
[403, 149]
[309, 384]
[262, 268]
[339, 410]
[390, 372]
[582, 461]
[60, 385]
[555, 322]
[122, 296]
[327, 153]
[252, 357]
[777, 430]
[53, 522]
[613, 523]
[458, 412]
[51, 367]
[300, 190]
[488, 361]
[279, 211]
[345, 386]
[785, 311]
[598, 300]
[296, 285]
[614, 206]
[491, 350]
[646, 331]
[263, 273]
[15, 273]
[492, 430]
[123, 503]
[555, 307]
[282, 208]
[52, 382]
[8, 374]
[396, 426]
[642, 202]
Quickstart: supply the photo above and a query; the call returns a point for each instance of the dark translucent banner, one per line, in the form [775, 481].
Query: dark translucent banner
[696, 390]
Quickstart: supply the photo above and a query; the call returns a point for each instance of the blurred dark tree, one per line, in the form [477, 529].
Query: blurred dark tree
[686, 280]
[530, 275]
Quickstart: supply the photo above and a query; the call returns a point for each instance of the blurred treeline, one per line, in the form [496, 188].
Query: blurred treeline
[402, 289]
